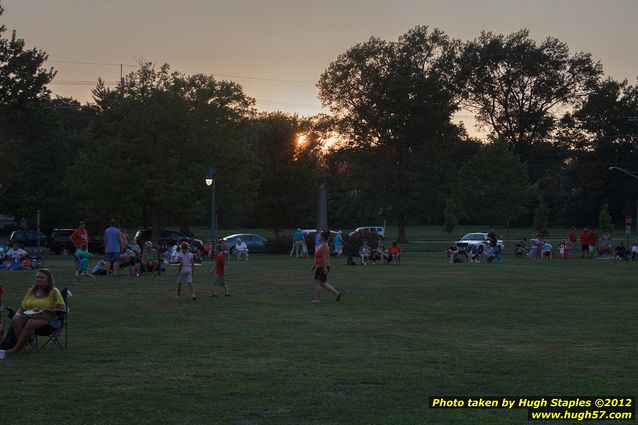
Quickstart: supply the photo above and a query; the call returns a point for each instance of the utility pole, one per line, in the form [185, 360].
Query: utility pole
[121, 80]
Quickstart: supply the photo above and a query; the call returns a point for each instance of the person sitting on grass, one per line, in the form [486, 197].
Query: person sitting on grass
[379, 253]
[102, 268]
[364, 253]
[241, 250]
[15, 257]
[219, 268]
[84, 257]
[150, 259]
[634, 251]
[452, 252]
[563, 250]
[39, 308]
[473, 253]
[129, 260]
[621, 252]
[395, 253]
[520, 251]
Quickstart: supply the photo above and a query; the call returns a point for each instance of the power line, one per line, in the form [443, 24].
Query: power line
[245, 77]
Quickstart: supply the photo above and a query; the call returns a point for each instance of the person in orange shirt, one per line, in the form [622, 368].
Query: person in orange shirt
[395, 253]
[80, 236]
[321, 267]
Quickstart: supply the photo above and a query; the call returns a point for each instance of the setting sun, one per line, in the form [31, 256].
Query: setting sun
[302, 139]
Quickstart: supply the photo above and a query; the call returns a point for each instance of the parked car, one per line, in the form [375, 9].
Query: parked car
[476, 238]
[59, 242]
[167, 238]
[28, 238]
[255, 243]
[379, 230]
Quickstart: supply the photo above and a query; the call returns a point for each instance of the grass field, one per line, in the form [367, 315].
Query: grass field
[265, 355]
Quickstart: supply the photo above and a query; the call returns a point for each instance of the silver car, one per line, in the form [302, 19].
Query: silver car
[476, 238]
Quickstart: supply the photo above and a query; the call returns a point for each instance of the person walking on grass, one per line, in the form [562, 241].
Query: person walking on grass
[185, 271]
[219, 268]
[321, 267]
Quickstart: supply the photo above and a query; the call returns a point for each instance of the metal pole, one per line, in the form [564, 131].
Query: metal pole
[213, 219]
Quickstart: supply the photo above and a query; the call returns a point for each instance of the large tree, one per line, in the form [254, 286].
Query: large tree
[603, 133]
[153, 142]
[288, 185]
[519, 88]
[34, 151]
[390, 102]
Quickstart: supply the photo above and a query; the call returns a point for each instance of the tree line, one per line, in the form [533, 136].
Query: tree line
[554, 123]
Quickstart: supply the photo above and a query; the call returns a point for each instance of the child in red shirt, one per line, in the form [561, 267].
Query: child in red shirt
[219, 268]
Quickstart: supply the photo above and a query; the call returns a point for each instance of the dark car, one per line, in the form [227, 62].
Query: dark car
[28, 238]
[167, 238]
[255, 243]
[59, 242]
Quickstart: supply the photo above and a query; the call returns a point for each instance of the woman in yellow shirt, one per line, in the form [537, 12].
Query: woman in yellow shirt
[39, 308]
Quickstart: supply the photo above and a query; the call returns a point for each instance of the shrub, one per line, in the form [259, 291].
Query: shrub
[279, 245]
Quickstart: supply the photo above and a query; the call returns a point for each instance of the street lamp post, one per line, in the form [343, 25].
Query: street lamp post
[210, 181]
[634, 175]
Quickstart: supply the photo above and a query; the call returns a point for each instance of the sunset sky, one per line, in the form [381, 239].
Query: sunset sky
[277, 49]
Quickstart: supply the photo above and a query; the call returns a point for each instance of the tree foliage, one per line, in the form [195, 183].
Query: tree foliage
[152, 144]
[605, 222]
[391, 102]
[288, 184]
[541, 214]
[34, 150]
[518, 87]
[492, 186]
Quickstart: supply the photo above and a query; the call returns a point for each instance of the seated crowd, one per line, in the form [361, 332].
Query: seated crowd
[16, 258]
[379, 255]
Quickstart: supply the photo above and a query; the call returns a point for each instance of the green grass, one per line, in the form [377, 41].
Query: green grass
[266, 356]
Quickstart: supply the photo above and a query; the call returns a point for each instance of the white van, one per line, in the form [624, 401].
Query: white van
[380, 230]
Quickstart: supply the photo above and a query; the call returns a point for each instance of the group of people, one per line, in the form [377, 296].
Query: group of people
[476, 253]
[592, 246]
[380, 254]
[14, 258]
[119, 253]
[300, 247]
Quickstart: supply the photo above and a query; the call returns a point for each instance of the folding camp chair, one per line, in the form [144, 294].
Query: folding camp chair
[54, 336]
